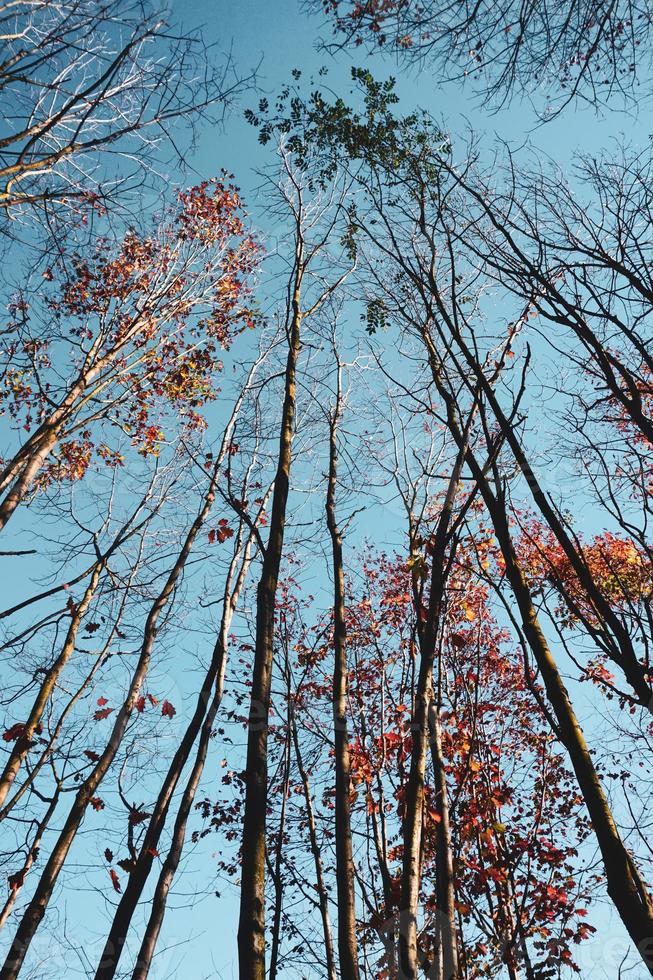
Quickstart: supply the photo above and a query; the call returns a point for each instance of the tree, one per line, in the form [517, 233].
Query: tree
[90, 84]
[504, 776]
[86, 794]
[586, 51]
[347, 944]
[413, 267]
[21, 734]
[313, 221]
[199, 728]
[139, 326]
[351, 618]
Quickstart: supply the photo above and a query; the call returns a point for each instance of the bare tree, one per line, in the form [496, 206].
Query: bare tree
[91, 93]
[38, 904]
[209, 699]
[347, 944]
[594, 52]
[314, 219]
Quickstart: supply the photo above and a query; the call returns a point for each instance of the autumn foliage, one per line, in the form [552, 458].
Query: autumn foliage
[138, 328]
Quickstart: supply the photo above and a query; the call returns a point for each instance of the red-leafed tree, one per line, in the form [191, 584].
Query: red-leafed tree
[126, 337]
[403, 771]
[516, 817]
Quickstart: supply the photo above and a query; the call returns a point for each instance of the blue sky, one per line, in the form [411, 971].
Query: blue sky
[279, 36]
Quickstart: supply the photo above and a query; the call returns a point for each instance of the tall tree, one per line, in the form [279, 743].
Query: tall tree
[86, 793]
[347, 945]
[313, 219]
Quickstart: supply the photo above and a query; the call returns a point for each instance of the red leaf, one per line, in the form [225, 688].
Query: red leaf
[102, 701]
[168, 710]
[13, 733]
[108, 855]
[93, 756]
[97, 803]
[17, 879]
[152, 851]
[153, 701]
[127, 864]
[224, 531]
[115, 881]
[102, 714]
[140, 703]
[221, 533]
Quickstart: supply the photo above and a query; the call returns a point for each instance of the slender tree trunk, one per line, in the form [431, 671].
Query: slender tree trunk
[514, 947]
[345, 878]
[251, 925]
[509, 931]
[277, 869]
[32, 854]
[323, 897]
[22, 744]
[412, 837]
[415, 788]
[509, 924]
[389, 925]
[173, 857]
[445, 882]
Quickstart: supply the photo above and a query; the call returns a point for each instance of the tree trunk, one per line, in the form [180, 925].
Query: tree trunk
[21, 745]
[345, 878]
[315, 850]
[414, 805]
[445, 882]
[31, 857]
[277, 869]
[251, 924]
[626, 886]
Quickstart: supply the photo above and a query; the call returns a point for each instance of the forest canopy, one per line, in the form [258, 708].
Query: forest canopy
[326, 415]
